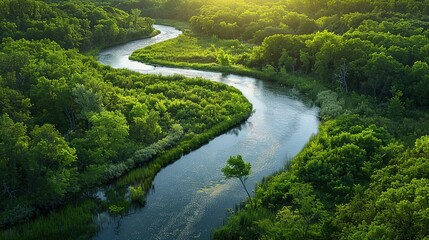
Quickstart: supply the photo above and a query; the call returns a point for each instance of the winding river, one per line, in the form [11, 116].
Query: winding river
[191, 197]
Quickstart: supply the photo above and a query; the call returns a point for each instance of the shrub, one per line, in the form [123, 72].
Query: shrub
[330, 105]
[116, 210]
[137, 195]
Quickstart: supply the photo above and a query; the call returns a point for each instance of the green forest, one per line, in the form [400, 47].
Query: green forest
[69, 124]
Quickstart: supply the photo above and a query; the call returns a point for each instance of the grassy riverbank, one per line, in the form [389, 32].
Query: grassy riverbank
[182, 26]
[75, 221]
[143, 176]
[215, 54]
[226, 56]
[187, 51]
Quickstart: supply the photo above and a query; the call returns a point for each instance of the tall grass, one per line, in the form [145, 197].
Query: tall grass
[182, 26]
[75, 221]
[212, 54]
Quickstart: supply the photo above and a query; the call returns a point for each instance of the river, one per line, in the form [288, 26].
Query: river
[191, 197]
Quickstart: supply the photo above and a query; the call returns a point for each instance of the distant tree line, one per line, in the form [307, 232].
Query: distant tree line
[72, 24]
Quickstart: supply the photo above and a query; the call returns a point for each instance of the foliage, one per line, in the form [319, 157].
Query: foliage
[245, 20]
[304, 221]
[395, 203]
[330, 105]
[241, 225]
[82, 124]
[351, 180]
[237, 168]
[358, 46]
[138, 194]
[71, 222]
[161, 9]
[144, 155]
[202, 53]
[116, 210]
[71, 24]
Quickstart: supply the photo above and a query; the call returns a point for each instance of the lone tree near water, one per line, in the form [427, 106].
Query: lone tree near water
[236, 167]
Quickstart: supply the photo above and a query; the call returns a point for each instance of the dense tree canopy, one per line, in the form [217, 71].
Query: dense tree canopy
[72, 24]
[377, 42]
[68, 124]
[351, 181]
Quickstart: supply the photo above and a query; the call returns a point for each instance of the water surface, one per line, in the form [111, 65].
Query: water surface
[190, 196]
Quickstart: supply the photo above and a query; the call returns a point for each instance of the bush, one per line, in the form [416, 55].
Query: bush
[116, 210]
[17, 213]
[144, 155]
[330, 104]
[137, 195]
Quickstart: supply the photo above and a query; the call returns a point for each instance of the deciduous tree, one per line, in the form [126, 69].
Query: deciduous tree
[237, 168]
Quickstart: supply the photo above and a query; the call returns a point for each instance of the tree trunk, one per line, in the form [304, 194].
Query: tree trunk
[245, 189]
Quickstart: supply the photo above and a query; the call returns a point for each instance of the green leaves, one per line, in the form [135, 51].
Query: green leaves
[107, 136]
[236, 168]
[28, 162]
[14, 144]
[90, 102]
[249, 20]
[88, 123]
[80, 25]
[304, 220]
[52, 166]
[352, 181]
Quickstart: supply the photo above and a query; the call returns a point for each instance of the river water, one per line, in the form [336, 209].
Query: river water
[191, 197]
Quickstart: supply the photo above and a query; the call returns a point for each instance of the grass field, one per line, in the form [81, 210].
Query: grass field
[188, 51]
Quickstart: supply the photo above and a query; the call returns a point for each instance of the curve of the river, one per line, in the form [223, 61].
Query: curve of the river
[190, 196]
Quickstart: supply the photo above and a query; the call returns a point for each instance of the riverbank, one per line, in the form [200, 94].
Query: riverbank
[69, 221]
[189, 51]
[95, 51]
[182, 192]
[182, 26]
[327, 173]
[209, 54]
